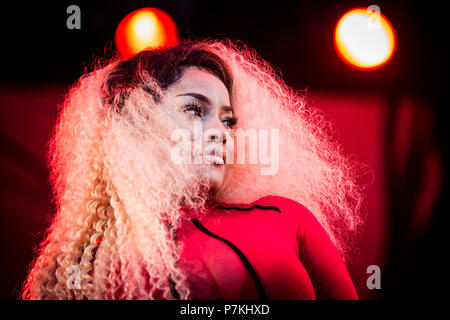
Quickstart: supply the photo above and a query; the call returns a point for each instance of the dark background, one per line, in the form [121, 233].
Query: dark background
[41, 58]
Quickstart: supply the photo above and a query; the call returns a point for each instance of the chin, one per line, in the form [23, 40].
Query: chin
[215, 177]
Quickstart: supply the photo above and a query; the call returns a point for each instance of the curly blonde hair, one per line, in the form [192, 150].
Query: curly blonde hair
[118, 199]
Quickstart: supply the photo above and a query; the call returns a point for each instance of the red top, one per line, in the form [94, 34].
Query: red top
[272, 248]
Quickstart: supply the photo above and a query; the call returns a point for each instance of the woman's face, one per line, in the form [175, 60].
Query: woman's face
[205, 100]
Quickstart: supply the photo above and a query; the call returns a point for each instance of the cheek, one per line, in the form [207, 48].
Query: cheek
[229, 151]
[215, 173]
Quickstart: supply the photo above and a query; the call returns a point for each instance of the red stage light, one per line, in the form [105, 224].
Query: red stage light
[145, 28]
[364, 39]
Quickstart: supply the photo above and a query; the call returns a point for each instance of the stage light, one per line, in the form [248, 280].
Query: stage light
[364, 38]
[145, 28]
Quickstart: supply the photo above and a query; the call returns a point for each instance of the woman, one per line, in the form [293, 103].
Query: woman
[155, 201]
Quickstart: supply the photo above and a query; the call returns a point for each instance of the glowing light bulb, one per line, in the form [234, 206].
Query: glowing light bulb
[364, 39]
[145, 28]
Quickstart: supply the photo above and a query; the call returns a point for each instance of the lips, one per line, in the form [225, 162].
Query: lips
[214, 157]
[210, 159]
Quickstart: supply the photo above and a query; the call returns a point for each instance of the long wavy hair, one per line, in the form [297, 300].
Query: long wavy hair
[118, 198]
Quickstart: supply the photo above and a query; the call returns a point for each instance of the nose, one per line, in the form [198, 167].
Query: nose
[217, 131]
[213, 137]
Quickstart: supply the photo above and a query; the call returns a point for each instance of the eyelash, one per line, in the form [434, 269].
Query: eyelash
[194, 106]
[198, 108]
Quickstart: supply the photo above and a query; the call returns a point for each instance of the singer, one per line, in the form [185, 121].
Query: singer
[132, 223]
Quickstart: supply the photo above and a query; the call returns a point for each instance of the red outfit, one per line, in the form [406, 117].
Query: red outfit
[272, 248]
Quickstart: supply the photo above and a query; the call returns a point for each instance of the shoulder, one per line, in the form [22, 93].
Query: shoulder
[289, 208]
[293, 210]
[286, 205]
[308, 228]
[303, 220]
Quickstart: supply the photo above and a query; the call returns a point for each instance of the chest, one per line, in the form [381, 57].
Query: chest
[243, 255]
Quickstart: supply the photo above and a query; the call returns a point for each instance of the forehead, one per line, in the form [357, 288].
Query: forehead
[200, 81]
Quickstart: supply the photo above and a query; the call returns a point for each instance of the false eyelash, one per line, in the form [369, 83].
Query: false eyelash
[232, 121]
[193, 105]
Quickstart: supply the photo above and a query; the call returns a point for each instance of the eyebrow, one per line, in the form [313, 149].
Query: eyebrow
[205, 99]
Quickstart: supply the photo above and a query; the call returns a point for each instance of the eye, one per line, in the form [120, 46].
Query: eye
[193, 108]
[231, 121]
